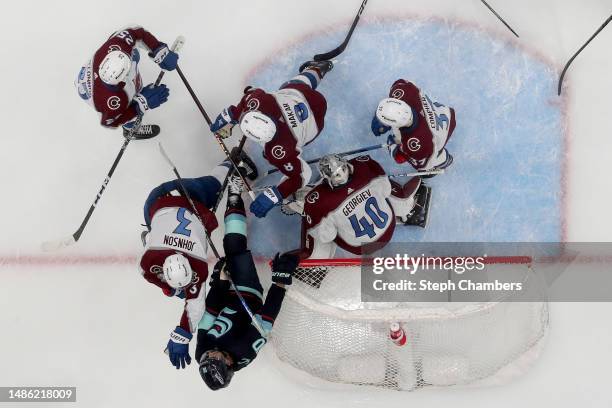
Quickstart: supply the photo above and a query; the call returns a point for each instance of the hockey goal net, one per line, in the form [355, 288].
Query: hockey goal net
[325, 330]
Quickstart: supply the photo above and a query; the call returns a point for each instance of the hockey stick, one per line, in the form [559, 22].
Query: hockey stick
[208, 238]
[217, 137]
[499, 17]
[350, 152]
[340, 49]
[417, 173]
[578, 52]
[67, 241]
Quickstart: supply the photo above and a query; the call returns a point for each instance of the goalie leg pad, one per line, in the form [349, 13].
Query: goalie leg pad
[403, 197]
[420, 213]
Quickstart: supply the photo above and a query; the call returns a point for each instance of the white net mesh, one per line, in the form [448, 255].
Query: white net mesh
[325, 330]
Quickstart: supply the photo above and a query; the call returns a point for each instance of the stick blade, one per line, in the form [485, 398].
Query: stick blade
[53, 246]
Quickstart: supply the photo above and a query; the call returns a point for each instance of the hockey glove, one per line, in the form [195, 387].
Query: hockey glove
[178, 348]
[378, 128]
[283, 267]
[165, 58]
[395, 151]
[265, 201]
[151, 97]
[215, 277]
[223, 124]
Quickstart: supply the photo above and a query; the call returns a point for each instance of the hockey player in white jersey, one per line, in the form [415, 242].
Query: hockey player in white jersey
[175, 252]
[356, 207]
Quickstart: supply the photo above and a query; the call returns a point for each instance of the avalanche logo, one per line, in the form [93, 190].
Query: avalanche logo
[413, 144]
[156, 270]
[363, 158]
[253, 104]
[113, 102]
[312, 198]
[114, 48]
[398, 94]
[278, 152]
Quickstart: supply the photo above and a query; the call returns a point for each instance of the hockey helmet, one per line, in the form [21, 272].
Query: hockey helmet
[215, 372]
[395, 113]
[258, 127]
[177, 271]
[335, 169]
[115, 67]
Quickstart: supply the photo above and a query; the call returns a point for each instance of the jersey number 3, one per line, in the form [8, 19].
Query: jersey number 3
[376, 216]
[183, 223]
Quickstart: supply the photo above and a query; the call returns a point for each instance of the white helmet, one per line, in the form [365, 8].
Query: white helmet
[335, 169]
[394, 112]
[177, 271]
[115, 67]
[258, 127]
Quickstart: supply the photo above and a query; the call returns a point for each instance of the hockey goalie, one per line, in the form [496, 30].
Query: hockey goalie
[356, 207]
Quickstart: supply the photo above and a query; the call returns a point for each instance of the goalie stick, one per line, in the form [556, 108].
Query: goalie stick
[578, 52]
[186, 194]
[418, 173]
[350, 152]
[340, 49]
[67, 241]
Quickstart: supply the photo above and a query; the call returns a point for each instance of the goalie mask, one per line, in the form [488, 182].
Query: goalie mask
[115, 67]
[394, 113]
[335, 169]
[258, 127]
[177, 271]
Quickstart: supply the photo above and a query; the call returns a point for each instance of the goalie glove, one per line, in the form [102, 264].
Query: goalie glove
[283, 267]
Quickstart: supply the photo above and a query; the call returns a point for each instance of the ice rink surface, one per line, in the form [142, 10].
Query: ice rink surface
[528, 166]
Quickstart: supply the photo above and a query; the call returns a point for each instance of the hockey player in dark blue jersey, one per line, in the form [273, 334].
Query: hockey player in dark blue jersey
[228, 338]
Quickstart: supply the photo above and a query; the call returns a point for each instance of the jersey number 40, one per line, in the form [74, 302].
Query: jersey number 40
[376, 216]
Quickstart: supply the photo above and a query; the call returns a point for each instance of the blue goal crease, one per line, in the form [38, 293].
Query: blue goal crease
[505, 182]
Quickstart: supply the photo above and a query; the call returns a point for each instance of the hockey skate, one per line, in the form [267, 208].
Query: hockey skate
[322, 66]
[420, 212]
[143, 132]
[235, 185]
[245, 164]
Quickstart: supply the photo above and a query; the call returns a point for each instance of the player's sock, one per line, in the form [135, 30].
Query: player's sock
[311, 73]
[235, 214]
